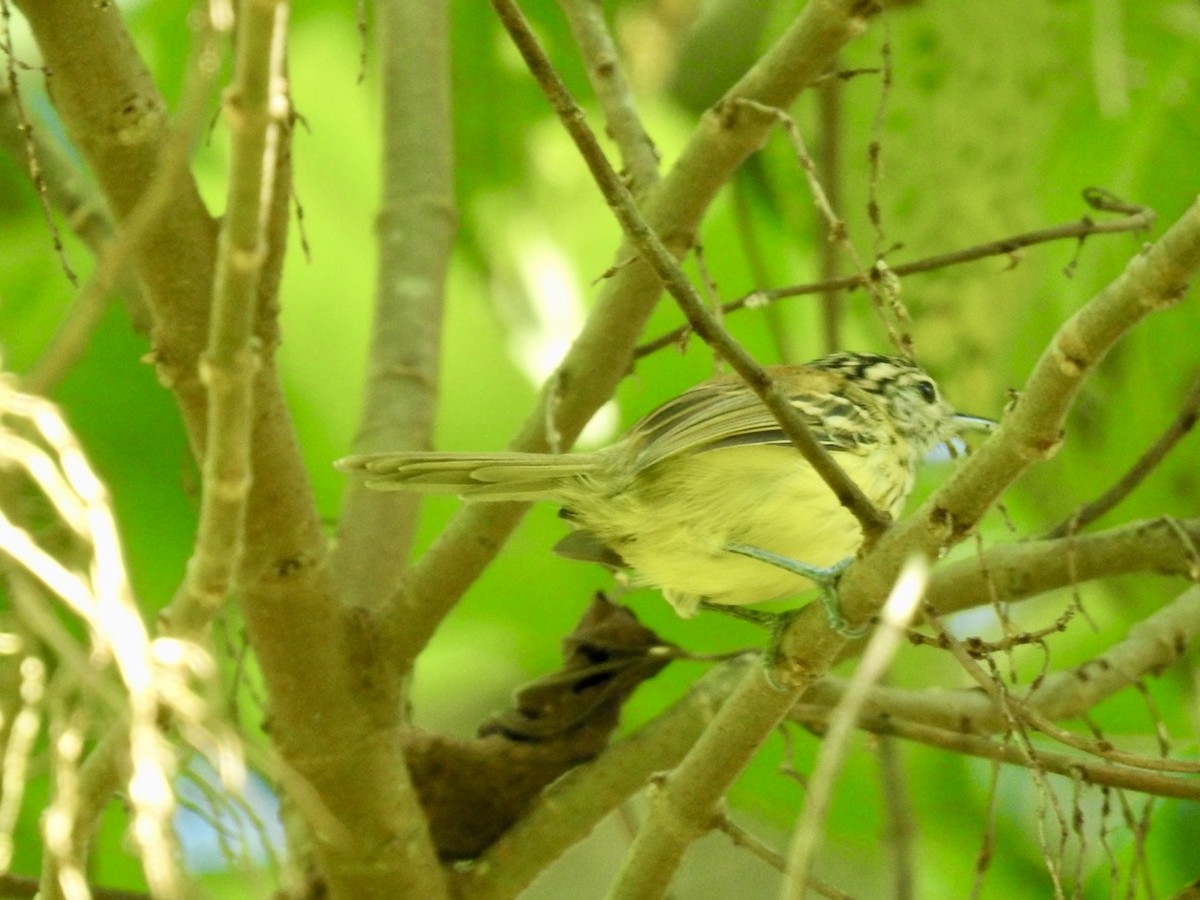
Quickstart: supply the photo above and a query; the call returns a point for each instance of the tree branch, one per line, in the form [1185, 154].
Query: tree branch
[1136, 219]
[1033, 429]
[415, 230]
[1009, 572]
[639, 158]
[678, 285]
[255, 106]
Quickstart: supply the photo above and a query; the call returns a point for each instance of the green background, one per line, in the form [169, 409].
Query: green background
[998, 116]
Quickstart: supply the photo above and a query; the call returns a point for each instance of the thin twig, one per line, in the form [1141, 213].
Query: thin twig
[829, 172]
[32, 159]
[1028, 714]
[880, 288]
[639, 157]
[875, 147]
[1127, 483]
[256, 108]
[1055, 762]
[67, 190]
[1138, 220]
[772, 857]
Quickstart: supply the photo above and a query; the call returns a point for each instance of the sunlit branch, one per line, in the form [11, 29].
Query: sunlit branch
[101, 596]
[256, 105]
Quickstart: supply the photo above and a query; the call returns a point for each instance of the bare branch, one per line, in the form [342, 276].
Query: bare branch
[960, 720]
[1135, 221]
[884, 298]
[639, 157]
[1091, 771]
[808, 647]
[1009, 572]
[119, 123]
[116, 118]
[571, 807]
[256, 105]
[415, 230]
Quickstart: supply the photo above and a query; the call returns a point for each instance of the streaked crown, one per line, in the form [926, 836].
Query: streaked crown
[909, 396]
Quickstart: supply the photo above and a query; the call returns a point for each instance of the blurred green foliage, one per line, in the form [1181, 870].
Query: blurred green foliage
[997, 118]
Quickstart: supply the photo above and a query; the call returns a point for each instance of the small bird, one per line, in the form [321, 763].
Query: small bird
[705, 498]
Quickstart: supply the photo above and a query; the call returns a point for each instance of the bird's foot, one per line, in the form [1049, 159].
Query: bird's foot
[824, 577]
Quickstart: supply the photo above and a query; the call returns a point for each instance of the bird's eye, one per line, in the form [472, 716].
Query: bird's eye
[927, 391]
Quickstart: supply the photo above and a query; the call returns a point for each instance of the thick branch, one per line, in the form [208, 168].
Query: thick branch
[1010, 572]
[117, 119]
[415, 230]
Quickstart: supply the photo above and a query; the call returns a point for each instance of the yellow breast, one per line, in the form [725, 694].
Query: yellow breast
[672, 523]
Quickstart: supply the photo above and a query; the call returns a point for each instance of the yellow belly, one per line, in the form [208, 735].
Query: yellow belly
[673, 523]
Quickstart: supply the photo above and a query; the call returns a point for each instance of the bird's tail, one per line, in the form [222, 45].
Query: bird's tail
[481, 476]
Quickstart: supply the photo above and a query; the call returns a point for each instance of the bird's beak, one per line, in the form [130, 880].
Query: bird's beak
[974, 424]
[955, 446]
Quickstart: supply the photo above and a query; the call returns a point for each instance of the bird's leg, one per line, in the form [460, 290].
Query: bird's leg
[824, 577]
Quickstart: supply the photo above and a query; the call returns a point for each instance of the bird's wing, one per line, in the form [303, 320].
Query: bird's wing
[724, 412]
